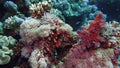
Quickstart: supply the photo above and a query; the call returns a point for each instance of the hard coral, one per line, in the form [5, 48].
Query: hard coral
[38, 10]
[112, 33]
[5, 52]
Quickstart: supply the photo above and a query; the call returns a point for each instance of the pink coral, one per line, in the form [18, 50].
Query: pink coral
[100, 58]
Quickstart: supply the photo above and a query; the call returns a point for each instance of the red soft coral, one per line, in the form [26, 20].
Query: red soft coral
[85, 52]
[90, 37]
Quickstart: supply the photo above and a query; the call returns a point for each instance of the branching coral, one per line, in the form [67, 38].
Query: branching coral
[111, 33]
[38, 10]
[90, 37]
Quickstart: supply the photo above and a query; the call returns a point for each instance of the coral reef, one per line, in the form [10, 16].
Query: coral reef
[90, 37]
[76, 11]
[13, 22]
[111, 33]
[38, 10]
[43, 37]
[5, 52]
[57, 13]
[49, 29]
[11, 25]
[45, 34]
[48, 24]
[37, 59]
[88, 49]
[99, 58]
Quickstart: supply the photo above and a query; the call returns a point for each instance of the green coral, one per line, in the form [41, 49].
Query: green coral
[5, 52]
[5, 41]
[10, 23]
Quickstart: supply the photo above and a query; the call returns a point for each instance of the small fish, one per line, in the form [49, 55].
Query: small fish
[78, 22]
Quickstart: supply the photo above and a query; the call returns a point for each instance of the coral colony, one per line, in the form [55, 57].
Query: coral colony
[44, 40]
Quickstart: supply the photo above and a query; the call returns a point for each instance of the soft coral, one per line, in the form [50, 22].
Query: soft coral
[90, 37]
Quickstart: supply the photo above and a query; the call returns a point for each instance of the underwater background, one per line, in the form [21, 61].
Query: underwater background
[59, 33]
